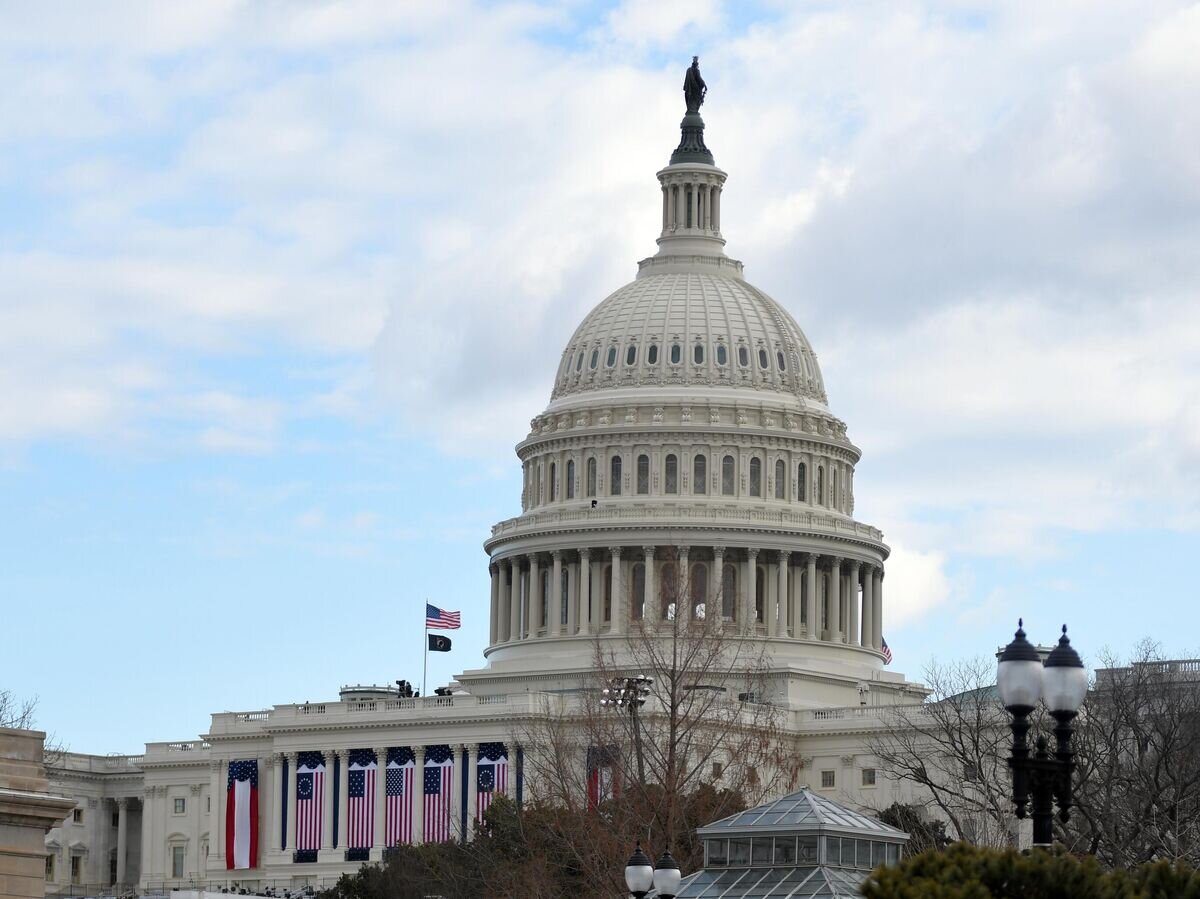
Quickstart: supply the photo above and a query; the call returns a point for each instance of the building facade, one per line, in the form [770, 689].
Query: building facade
[688, 441]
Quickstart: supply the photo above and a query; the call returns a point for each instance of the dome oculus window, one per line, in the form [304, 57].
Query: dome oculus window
[722, 354]
[631, 355]
[652, 354]
[595, 359]
[676, 354]
[611, 359]
[763, 361]
[698, 354]
[743, 357]
[779, 357]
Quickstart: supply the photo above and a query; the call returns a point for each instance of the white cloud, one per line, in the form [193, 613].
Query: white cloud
[916, 583]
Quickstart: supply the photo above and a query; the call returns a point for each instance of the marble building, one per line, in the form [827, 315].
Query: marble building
[688, 439]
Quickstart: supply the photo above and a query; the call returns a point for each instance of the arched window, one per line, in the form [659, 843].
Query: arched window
[743, 357]
[763, 361]
[801, 482]
[607, 583]
[668, 587]
[698, 353]
[699, 590]
[676, 354]
[643, 474]
[699, 474]
[591, 477]
[614, 486]
[671, 473]
[728, 484]
[579, 361]
[722, 354]
[637, 592]
[595, 360]
[760, 595]
[729, 593]
[631, 355]
[570, 479]
[779, 357]
[780, 480]
[652, 354]
[820, 485]
[566, 597]
[611, 359]
[756, 476]
[553, 481]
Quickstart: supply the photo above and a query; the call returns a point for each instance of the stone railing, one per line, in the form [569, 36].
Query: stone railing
[706, 515]
[869, 715]
[180, 751]
[97, 764]
[458, 706]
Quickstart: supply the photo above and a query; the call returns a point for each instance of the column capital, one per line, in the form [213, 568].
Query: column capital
[195, 788]
[615, 551]
[214, 766]
[473, 750]
[419, 754]
[557, 555]
[380, 755]
[752, 553]
[337, 753]
[718, 550]
[836, 561]
[585, 554]
[648, 551]
[854, 564]
[292, 757]
[123, 802]
[812, 558]
[783, 555]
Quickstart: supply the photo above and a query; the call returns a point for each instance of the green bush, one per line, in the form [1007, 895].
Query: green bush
[969, 872]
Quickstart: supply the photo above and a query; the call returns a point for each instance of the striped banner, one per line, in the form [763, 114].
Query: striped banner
[310, 799]
[398, 786]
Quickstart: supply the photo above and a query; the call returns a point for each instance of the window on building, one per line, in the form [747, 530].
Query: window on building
[780, 480]
[806, 850]
[570, 479]
[579, 361]
[668, 586]
[763, 361]
[699, 590]
[637, 591]
[541, 486]
[643, 474]
[717, 770]
[833, 487]
[801, 481]
[652, 354]
[177, 854]
[756, 476]
[180, 805]
[611, 358]
[868, 777]
[591, 477]
[76, 869]
[699, 474]
[743, 357]
[820, 485]
[780, 360]
[553, 481]
[729, 592]
[698, 353]
[828, 779]
[50, 867]
[752, 777]
[77, 816]
[116, 816]
[671, 474]
[728, 483]
[676, 354]
[631, 355]
[614, 467]
[595, 360]
[722, 354]
[207, 804]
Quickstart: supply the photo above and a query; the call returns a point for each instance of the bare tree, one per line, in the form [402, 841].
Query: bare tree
[16, 712]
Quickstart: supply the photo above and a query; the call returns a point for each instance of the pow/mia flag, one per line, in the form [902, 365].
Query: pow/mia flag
[438, 643]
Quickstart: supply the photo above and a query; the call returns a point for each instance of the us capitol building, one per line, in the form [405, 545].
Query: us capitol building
[688, 438]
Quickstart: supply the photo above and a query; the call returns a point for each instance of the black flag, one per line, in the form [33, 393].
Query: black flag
[438, 643]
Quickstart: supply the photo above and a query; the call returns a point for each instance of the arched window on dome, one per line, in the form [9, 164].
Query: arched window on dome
[763, 360]
[780, 480]
[668, 586]
[833, 486]
[595, 360]
[579, 362]
[698, 354]
[631, 354]
[743, 357]
[820, 485]
[671, 473]
[611, 359]
[699, 474]
[698, 588]
[782, 363]
[606, 582]
[756, 476]
[801, 482]
[643, 474]
[591, 477]
[760, 594]
[676, 354]
[553, 481]
[722, 354]
[637, 592]
[570, 479]
[614, 466]
[652, 354]
[729, 592]
[728, 481]
[565, 603]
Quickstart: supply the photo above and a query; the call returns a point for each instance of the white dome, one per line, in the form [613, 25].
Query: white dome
[690, 328]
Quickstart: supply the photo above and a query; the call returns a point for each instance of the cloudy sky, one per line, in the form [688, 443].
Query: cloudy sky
[281, 284]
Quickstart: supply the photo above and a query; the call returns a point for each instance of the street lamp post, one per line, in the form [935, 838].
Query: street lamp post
[1061, 683]
[641, 875]
[630, 693]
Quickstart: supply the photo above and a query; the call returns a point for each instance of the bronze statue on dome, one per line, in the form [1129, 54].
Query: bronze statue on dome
[694, 87]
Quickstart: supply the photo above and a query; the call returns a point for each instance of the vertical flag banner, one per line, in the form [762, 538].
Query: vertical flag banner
[241, 817]
[492, 779]
[360, 799]
[439, 770]
[602, 778]
[310, 799]
[399, 779]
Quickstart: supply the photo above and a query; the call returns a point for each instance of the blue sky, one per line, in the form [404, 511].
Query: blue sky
[282, 285]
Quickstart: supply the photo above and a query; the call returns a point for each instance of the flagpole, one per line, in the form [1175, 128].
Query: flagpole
[425, 668]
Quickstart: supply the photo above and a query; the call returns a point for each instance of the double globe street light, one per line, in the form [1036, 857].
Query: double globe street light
[641, 876]
[1060, 682]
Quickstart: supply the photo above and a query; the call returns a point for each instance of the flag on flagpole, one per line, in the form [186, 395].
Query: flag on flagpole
[440, 619]
[241, 817]
[887, 653]
[310, 799]
[492, 776]
[399, 786]
[439, 772]
[438, 643]
[360, 799]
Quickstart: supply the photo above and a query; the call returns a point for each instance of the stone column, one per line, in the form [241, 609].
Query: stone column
[810, 601]
[584, 593]
[554, 616]
[852, 625]
[717, 210]
[618, 606]
[512, 597]
[215, 837]
[719, 592]
[572, 598]
[533, 609]
[751, 619]
[219, 803]
[494, 624]
[835, 600]
[684, 601]
[771, 597]
[782, 604]
[197, 859]
[696, 206]
[877, 611]
[343, 802]
[651, 605]
[292, 758]
[123, 836]
[418, 800]
[268, 790]
[327, 805]
[457, 757]
[472, 787]
[379, 825]
[680, 213]
[868, 605]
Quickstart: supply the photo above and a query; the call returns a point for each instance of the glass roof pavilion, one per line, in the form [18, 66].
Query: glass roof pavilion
[802, 845]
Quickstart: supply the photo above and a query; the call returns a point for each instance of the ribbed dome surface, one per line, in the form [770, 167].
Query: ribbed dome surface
[689, 328]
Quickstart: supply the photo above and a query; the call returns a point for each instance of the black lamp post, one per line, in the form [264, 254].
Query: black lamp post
[630, 693]
[1061, 683]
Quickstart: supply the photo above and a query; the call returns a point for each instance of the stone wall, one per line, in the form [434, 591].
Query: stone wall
[27, 812]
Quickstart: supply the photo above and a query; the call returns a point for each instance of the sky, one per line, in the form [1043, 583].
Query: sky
[282, 284]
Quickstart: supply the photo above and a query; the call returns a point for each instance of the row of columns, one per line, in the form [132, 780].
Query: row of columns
[517, 600]
[702, 201]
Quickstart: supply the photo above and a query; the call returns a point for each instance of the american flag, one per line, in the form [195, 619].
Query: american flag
[399, 788]
[241, 820]
[887, 653]
[439, 772]
[602, 781]
[492, 776]
[440, 619]
[310, 799]
[360, 796]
